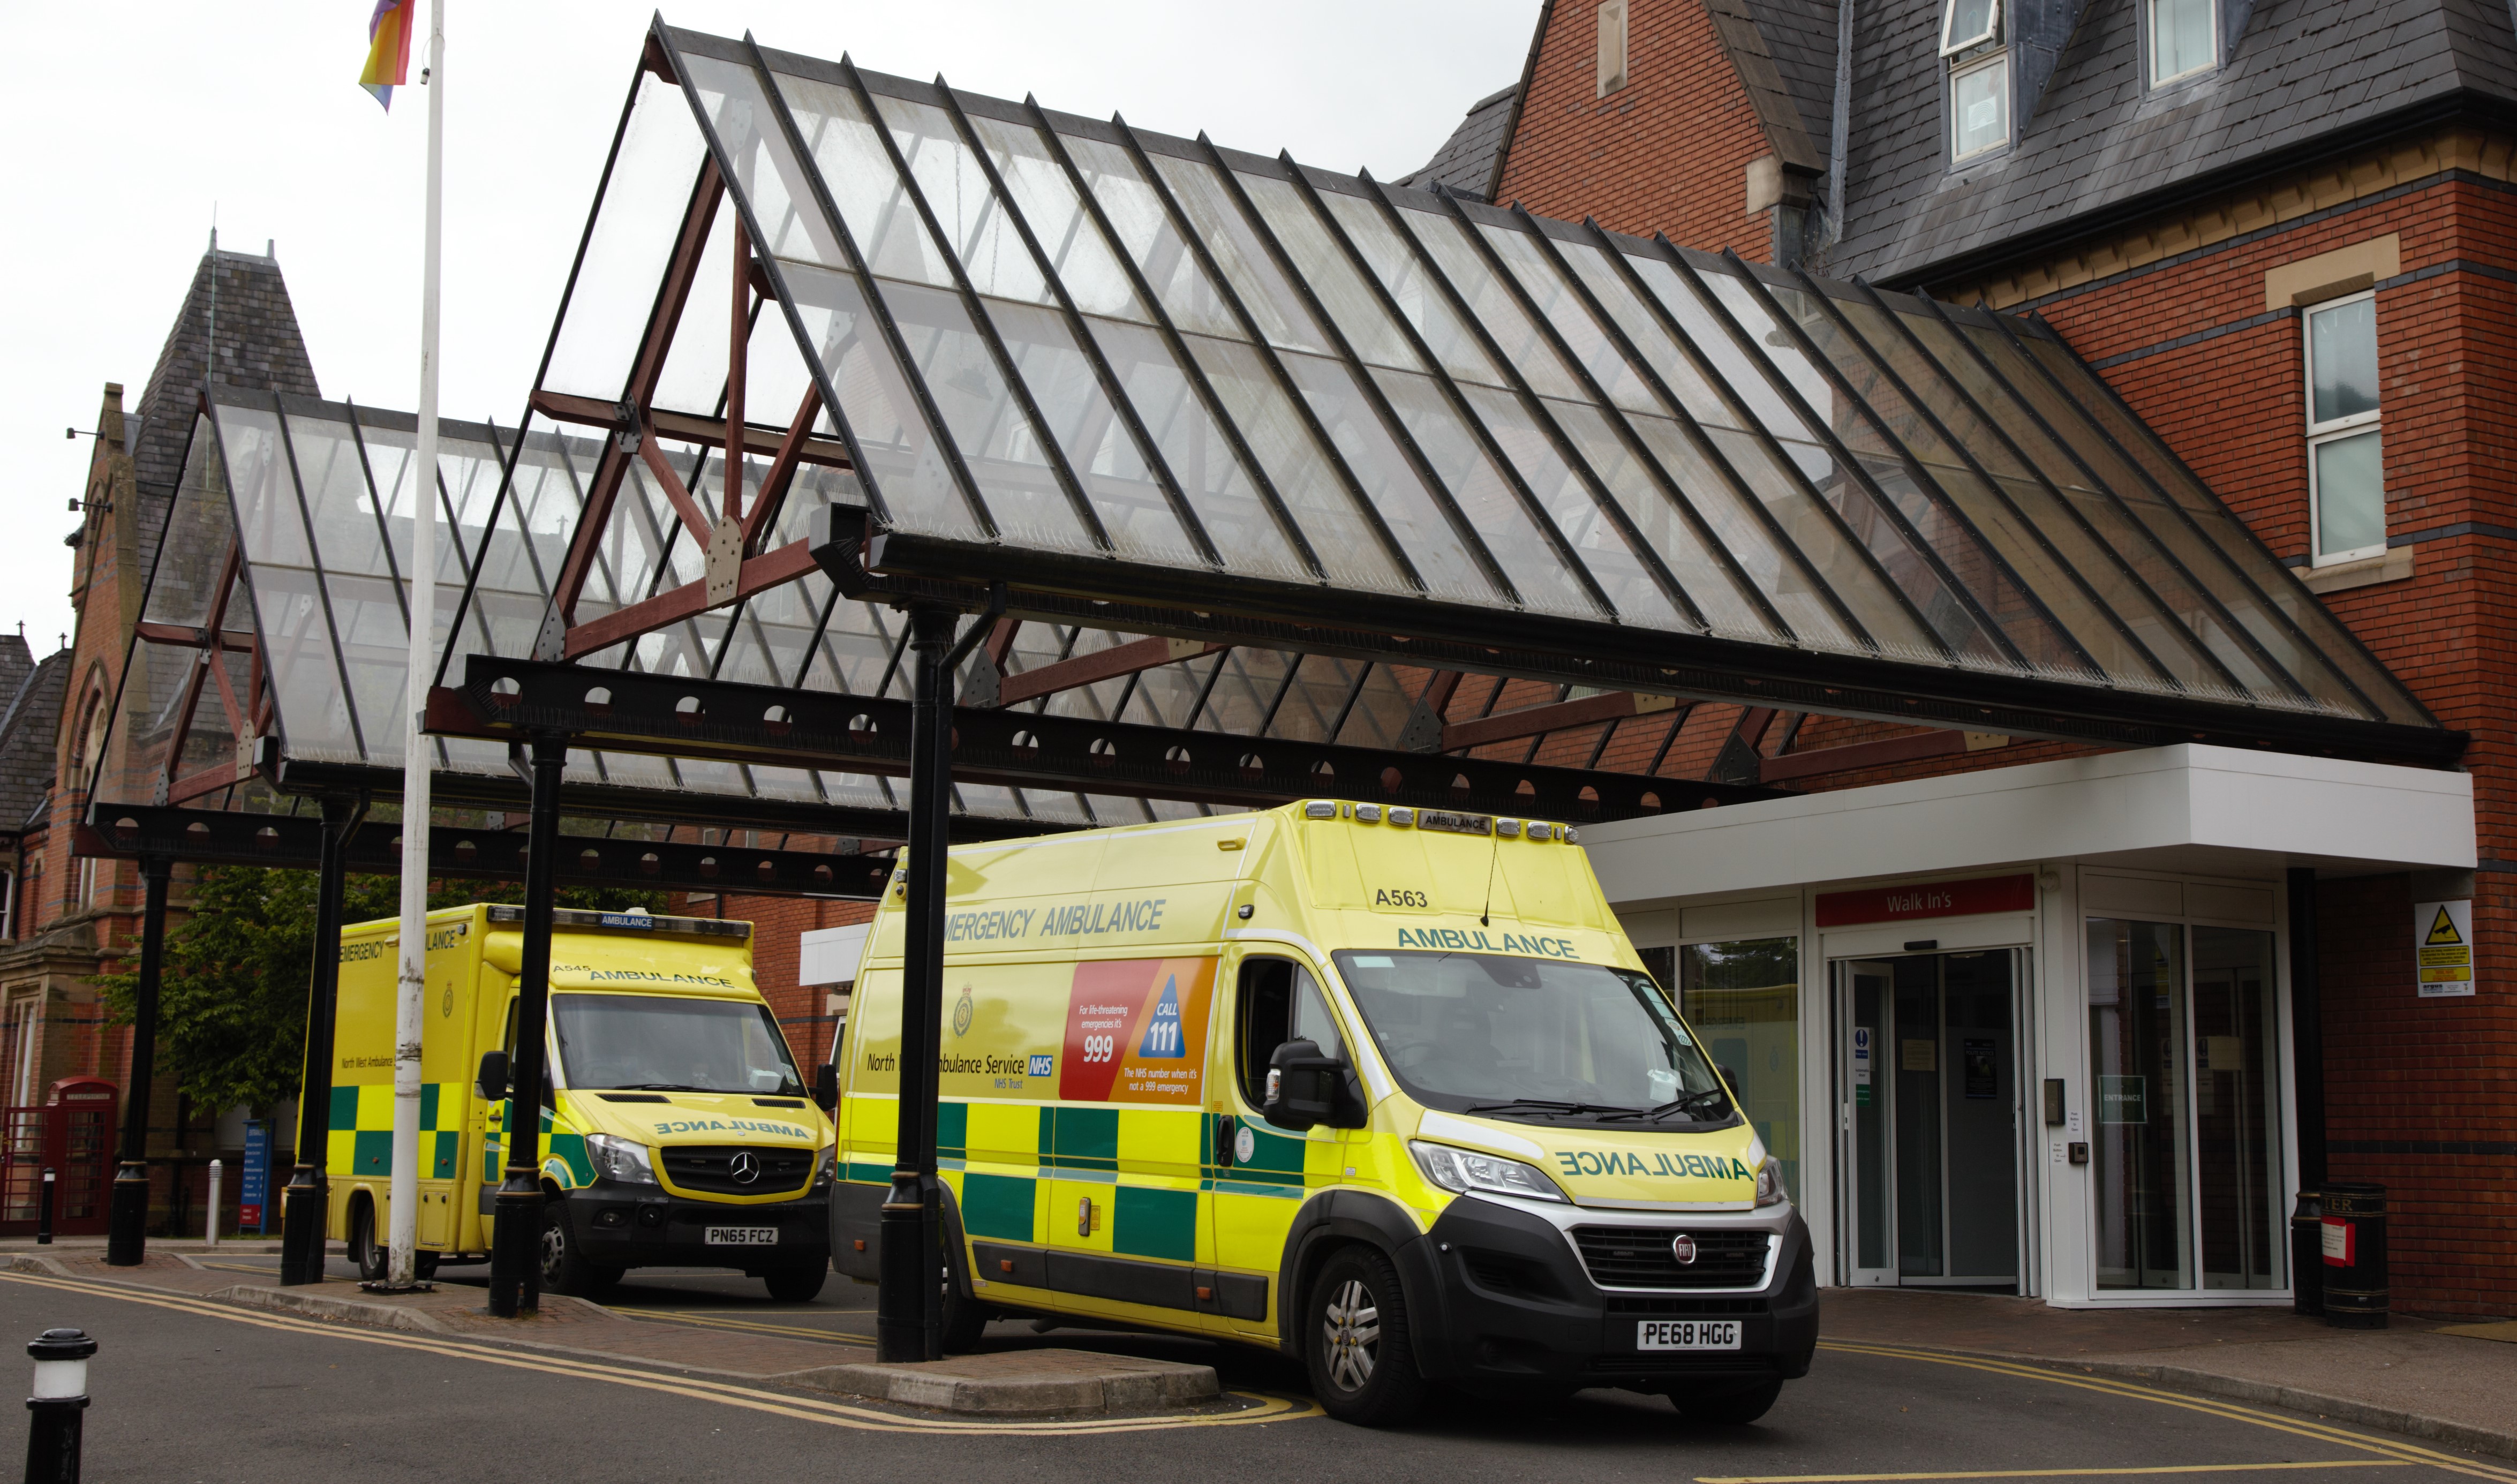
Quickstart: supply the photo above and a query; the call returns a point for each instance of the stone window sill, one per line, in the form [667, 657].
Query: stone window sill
[2391, 567]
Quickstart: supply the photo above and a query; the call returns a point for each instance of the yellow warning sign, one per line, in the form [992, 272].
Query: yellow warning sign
[2442, 948]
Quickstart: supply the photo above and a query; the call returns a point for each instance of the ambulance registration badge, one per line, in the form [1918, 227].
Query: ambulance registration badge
[1687, 1334]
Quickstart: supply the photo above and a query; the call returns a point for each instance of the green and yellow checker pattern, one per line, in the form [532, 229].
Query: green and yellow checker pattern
[363, 1119]
[1020, 1170]
[563, 1153]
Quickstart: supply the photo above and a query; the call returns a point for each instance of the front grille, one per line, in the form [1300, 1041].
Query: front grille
[711, 1167]
[1643, 1257]
[1663, 1308]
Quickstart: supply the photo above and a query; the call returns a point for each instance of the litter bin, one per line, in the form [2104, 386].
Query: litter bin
[2355, 1255]
[2307, 1254]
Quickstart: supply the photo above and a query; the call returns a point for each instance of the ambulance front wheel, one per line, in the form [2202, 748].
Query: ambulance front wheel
[800, 1284]
[1738, 1406]
[1359, 1347]
[372, 1257]
[565, 1269]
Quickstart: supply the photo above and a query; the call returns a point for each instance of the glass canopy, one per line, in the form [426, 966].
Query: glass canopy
[301, 511]
[1041, 333]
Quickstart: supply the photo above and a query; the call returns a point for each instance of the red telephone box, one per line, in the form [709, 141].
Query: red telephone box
[70, 1134]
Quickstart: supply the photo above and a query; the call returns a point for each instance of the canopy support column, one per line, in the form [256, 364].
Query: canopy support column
[305, 1206]
[126, 1240]
[516, 1245]
[910, 1314]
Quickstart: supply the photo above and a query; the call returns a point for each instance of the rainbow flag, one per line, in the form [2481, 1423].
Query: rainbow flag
[389, 49]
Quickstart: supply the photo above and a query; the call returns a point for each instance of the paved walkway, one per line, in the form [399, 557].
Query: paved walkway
[2455, 1383]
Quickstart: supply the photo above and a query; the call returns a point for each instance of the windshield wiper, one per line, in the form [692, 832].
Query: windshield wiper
[1550, 1104]
[1685, 1104]
[663, 1087]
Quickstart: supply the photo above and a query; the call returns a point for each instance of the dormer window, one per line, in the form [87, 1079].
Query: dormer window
[1968, 24]
[1979, 71]
[2184, 39]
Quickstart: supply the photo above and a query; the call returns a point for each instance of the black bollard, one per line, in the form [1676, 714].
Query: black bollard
[43, 1211]
[58, 1405]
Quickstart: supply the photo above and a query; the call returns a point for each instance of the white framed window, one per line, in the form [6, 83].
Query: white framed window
[2184, 38]
[2346, 468]
[1612, 46]
[1978, 108]
[1965, 23]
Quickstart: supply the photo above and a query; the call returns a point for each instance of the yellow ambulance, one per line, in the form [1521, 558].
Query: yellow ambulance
[674, 1128]
[1384, 1090]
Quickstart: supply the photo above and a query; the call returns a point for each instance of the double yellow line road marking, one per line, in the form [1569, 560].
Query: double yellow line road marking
[1263, 1408]
[2378, 1451]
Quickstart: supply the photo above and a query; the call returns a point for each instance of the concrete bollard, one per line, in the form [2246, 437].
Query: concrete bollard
[210, 1227]
[58, 1405]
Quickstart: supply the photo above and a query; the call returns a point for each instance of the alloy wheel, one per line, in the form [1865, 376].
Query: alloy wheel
[1351, 1328]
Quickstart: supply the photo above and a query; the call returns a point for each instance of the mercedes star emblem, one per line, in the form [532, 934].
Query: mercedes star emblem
[745, 1168]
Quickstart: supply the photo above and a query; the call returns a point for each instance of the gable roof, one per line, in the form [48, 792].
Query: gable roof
[28, 729]
[259, 346]
[1800, 38]
[2303, 77]
[1467, 161]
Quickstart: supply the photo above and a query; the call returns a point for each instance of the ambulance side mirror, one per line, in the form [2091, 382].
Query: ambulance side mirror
[1303, 1086]
[1731, 1081]
[492, 1081]
[826, 1087]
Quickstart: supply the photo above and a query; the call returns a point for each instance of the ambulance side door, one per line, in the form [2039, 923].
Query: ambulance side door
[1259, 1174]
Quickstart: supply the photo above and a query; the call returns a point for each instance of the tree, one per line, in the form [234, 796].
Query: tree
[231, 1001]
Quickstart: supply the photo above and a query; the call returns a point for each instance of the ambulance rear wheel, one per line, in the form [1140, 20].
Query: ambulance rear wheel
[1738, 1406]
[371, 1256]
[565, 1269]
[1358, 1343]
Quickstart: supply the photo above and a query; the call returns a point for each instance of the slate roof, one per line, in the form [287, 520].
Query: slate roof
[1467, 160]
[1800, 36]
[2100, 143]
[29, 729]
[259, 346]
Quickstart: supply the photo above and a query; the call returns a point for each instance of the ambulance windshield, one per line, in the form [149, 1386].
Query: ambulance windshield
[1532, 1037]
[659, 1045]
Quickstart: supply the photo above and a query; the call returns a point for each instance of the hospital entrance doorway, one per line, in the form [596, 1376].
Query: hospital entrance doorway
[1931, 1118]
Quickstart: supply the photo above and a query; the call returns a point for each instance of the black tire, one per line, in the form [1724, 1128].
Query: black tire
[565, 1269]
[1736, 1407]
[1357, 1341]
[965, 1319]
[372, 1257]
[423, 1265]
[796, 1284]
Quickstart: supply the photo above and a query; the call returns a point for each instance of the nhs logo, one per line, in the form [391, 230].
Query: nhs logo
[1040, 1066]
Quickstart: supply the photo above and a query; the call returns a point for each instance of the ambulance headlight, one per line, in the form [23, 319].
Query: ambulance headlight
[1466, 1170]
[1769, 1183]
[829, 1166]
[620, 1160]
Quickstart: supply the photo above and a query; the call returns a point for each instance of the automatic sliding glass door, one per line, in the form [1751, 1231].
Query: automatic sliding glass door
[1930, 1068]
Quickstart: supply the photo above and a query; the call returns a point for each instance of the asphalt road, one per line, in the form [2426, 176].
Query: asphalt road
[188, 1390]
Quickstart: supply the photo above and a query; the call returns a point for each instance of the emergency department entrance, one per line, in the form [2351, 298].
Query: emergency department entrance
[2027, 1029]
[1933, 1118]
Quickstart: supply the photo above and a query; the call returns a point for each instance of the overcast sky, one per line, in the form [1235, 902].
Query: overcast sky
[129, 126]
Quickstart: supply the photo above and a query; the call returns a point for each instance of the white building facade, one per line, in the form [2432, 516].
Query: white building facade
[2027, 1029]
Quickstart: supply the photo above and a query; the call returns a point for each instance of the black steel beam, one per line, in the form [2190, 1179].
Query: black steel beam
[899, 566]
[206, 837]
[502, 699]
[628, 802]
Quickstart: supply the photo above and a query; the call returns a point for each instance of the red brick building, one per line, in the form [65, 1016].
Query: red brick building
[2284, 235]
[69, 918]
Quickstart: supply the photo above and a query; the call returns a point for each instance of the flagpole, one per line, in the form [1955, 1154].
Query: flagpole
[411, 1007]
